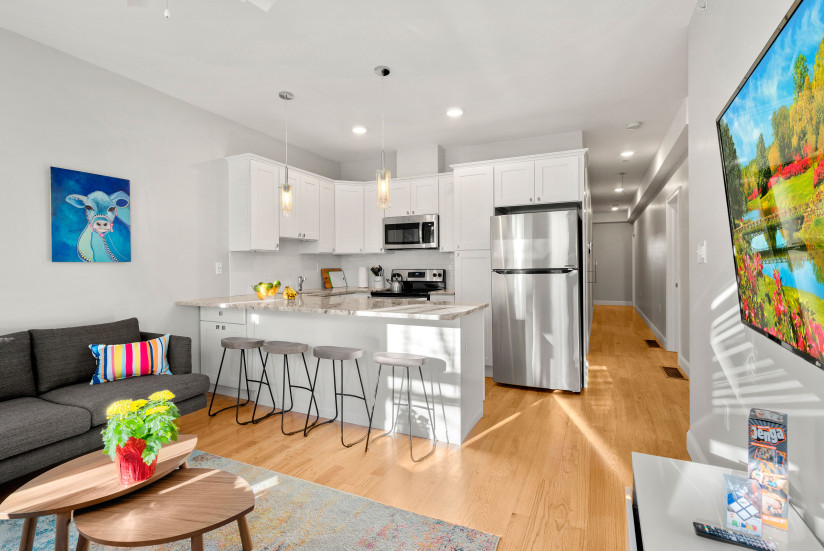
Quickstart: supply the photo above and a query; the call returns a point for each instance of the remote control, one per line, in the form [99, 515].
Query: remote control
[719, 534]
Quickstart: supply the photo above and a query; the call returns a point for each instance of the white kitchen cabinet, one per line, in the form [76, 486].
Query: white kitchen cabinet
[400, 200]
[473, 207]
[473, 283]
[514, 184]
[326, 235]
[446, 218]
[211, 333]
[254, 201]
[349, 218]
[303, 223]
[558, 180]
[372, 220]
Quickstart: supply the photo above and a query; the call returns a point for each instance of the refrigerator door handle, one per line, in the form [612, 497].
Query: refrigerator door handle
[531, 271]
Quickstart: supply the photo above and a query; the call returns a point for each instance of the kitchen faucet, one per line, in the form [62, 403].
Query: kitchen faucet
[301, 279]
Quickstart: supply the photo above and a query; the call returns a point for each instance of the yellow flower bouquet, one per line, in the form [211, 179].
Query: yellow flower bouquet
[135, 432]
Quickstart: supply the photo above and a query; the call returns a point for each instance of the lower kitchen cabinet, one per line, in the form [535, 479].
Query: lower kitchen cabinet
[473, 283]
[211, 333]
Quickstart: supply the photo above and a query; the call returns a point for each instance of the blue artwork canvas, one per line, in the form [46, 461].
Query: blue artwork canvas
[90, 217]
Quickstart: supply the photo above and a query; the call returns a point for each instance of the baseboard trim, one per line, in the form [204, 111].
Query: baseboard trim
[684, 364]
[612, 302]
[694, 450]
[487, 371]
[657, 332]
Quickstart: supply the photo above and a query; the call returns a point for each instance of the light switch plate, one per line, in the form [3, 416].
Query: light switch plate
[701, 252]
[218, 268]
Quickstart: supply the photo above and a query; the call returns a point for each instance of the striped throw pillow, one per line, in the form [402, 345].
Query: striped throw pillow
[121, 361]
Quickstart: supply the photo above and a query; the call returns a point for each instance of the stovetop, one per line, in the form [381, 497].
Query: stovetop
[416, 283]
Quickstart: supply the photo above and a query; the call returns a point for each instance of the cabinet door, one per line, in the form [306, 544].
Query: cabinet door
[290, 225]
[263, 212]
[211, 352]
[514, 184]
[399, 199]
[446, 216]
[557, 180]
[473, 207]
[424, 194]
[326, 237]
[349, 218]
[473, 283]
[309, 207]
[373, 220]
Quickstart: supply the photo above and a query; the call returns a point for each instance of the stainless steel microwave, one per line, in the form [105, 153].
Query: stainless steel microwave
[411, 232]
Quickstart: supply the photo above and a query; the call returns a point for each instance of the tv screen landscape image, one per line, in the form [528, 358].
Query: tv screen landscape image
[772, 149]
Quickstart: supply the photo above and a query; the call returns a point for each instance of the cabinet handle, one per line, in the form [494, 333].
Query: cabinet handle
[217, 327]
[224, 328]
[530, 199]
[539, 198]
[219, 313]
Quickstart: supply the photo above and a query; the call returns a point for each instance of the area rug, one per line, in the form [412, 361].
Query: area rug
[293, 514]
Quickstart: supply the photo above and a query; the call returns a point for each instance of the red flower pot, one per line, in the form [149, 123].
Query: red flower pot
[130, 465]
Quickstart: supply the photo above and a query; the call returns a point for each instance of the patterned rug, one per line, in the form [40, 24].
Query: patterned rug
[293, 514]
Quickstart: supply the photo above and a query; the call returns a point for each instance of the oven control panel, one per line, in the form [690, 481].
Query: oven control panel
[434, 275]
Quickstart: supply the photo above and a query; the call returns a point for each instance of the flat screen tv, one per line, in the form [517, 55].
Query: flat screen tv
[771, 134]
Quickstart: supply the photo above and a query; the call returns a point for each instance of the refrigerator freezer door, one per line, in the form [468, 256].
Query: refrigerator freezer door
[535, 240]
[536, 330]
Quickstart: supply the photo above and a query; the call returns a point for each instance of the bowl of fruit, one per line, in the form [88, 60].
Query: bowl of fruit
[267, 290]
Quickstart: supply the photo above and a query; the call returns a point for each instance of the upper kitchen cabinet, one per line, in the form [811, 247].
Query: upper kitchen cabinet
[473, 187]
[540, 179]
[326, 236]
[349, 218]
[417, 196]
[304, 221]
[446, 218]
[254, 203]
[372, 220]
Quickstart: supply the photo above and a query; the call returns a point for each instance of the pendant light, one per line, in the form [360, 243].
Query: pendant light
[286, 190]
[383, 176]
[620, 187]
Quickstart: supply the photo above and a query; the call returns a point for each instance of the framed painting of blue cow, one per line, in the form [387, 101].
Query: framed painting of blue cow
[90, 217]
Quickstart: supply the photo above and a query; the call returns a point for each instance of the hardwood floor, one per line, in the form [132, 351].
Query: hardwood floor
[542, 469]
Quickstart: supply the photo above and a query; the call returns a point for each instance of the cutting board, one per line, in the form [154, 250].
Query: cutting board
[333, 278]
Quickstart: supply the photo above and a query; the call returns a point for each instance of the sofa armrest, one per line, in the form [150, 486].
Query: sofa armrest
[179, 353]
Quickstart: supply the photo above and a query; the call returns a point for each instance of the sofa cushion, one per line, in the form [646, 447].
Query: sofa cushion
[30, 423]
[96, 398]
[15, 366]
[134, 359]
[62, 356]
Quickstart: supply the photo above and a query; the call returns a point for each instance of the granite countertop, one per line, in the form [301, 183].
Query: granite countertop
[345, 305]
[351, 290]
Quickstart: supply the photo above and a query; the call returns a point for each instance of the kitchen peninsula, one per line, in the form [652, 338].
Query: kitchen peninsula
[452, 335]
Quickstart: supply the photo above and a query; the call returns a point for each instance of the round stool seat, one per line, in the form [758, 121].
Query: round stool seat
[399, 359]
[337, 353]
[284, 347]
[240, 343]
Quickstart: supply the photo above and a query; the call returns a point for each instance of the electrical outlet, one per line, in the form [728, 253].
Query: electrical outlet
[701, 252]
[218, 268]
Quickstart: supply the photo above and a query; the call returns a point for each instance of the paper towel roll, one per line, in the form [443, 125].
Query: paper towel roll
[363, 278]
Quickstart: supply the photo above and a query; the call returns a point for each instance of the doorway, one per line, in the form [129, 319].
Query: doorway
[673, 273]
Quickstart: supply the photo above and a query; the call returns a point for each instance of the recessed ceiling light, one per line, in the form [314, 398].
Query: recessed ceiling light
[627, 154]
[359, 130]
[614, 207]
[618, 189]
[454, 112]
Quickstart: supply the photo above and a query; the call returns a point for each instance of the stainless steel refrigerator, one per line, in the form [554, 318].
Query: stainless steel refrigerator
[536, 300]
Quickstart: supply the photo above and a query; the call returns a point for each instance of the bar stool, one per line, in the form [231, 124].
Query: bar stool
[243, 344]
[339, 354]
[406, 361]
[285, 348]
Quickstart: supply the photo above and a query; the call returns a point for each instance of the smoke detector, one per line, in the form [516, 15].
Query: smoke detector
[634, 125]
[702, 6]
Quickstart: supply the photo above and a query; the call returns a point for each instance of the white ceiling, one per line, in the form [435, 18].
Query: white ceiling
[519, 68]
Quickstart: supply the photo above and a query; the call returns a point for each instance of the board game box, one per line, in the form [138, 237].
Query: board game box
[743, 504]
[768, 464]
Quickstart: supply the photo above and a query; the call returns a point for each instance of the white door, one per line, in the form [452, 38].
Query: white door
[473, 283]
[290, 225]
[349, 218]
[326, 236]
[673, 273]
[424, 193]
[264, 217]
[309, 207]
[373, 220]
[446, 215]
[557, 180]
[399, 199]
[514, 184]
[473, 207]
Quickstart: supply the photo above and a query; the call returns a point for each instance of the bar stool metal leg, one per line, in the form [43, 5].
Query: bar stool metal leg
[343, 394]
[428, 411]
[308, 428]
[263, 376]
[217, 380]
[287, 376]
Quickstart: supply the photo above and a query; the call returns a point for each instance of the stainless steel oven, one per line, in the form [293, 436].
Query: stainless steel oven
[411, 232]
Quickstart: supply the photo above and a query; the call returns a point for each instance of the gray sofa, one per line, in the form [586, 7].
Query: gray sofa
[49, 412]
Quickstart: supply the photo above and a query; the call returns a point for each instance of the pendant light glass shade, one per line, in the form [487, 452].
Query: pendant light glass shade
[383, 176]
[286, 189]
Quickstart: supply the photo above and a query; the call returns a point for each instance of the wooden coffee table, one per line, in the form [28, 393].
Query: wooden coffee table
[88, 480]
[186, 504]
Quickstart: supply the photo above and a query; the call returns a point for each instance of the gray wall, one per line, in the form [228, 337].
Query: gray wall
[733, 368]
[612, 249]
[651, 259]
[59, 111]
